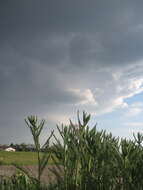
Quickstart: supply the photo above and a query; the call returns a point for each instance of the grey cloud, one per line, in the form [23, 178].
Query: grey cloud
[48, 47]
[31, 17]
[110, 22]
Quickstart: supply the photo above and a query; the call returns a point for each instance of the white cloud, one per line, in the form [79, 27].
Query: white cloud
[134, 124]
[134, 109]
[57, 118]
[116, 87]
[85, 96]
[98, 90]
[133, 112]
[134, 127]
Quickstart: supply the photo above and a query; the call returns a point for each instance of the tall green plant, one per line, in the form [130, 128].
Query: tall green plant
[95, 160]
[36, 129]
[85, 159]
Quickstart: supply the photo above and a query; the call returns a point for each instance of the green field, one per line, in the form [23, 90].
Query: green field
[22, 158]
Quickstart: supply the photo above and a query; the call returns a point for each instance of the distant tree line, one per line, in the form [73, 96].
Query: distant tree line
[19, 147]
[23, 147]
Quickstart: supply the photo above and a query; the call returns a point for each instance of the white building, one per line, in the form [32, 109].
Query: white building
[10, 149]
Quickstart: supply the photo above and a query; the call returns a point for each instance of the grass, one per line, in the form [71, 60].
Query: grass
[20, 158]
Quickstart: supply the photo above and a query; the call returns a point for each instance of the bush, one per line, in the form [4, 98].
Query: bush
[85, 159]
[97, 160]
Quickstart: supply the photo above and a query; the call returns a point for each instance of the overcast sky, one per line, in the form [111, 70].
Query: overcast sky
[60, 56]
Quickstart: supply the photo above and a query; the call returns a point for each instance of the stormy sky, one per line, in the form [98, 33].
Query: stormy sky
[60, 56]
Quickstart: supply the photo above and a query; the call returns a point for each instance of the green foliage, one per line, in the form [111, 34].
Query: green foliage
[19, 182]
[42, 159]
[97, 160]
[85, 159]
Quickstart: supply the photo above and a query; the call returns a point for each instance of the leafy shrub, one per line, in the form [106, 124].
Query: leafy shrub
[97, 160]
[85, 159]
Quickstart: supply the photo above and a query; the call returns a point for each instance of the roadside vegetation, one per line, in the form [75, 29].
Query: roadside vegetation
[85, 159]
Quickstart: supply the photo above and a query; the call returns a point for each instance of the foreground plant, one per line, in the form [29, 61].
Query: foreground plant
[95, 160]
[19, 182]
[85, 159]
[36, 129]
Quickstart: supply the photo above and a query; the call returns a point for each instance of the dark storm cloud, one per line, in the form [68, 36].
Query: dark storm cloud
[50, 52]
[112, 22]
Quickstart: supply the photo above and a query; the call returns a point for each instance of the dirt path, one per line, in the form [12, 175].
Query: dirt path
[47, 175]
